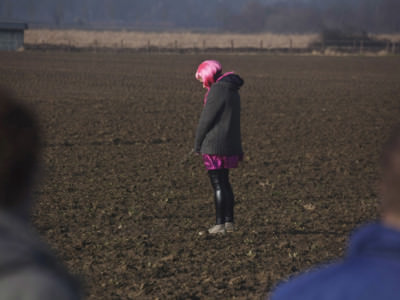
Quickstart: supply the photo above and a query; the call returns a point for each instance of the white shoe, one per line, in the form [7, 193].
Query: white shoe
[229, 227]
[217, 229]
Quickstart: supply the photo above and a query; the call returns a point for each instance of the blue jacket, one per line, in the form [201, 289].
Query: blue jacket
[370, 270]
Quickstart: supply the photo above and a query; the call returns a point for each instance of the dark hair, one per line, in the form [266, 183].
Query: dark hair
[391, 145]
[19, 149]
[217, 75]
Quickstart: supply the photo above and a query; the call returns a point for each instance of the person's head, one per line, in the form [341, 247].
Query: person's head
[19, 152]
[208, 72]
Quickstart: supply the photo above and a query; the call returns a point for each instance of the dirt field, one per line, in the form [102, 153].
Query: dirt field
[120, 209]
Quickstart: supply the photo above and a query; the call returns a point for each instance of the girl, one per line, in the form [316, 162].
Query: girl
[218, 137]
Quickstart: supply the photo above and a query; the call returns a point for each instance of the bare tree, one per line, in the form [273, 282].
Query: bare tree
[8, 9]
[253, 16]
[58, 13]
[32, 8]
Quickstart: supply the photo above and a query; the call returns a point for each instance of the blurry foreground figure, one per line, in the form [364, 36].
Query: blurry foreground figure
[371, 268]
[28, 270]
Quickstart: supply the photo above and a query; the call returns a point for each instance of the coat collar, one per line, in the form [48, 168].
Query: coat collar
[375, 240]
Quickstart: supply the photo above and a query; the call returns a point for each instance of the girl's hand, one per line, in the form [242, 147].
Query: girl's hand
[188, 156]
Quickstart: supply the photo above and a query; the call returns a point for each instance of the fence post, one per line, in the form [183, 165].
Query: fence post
[394, 47]
[261, 44]
[361, 46]
[176, 45]
[354, 45]
[95, 46]
[387, 46]
[204, 45]
[122, 44]
[232, 45]
[148, 46]
[323, 46]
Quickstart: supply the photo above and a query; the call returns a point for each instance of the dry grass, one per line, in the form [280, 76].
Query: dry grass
[392, 37]
[131, 39]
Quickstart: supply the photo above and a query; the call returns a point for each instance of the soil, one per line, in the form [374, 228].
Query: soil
[123, 210]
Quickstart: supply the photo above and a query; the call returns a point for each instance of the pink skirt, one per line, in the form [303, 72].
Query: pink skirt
[215, 162]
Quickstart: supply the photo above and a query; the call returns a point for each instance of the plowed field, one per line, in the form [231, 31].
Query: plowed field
[120, 208]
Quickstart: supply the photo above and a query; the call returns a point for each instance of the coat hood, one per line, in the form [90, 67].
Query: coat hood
[375, 240]
[231, 80]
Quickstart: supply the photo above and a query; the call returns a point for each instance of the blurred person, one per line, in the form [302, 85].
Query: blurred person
[371, 267]
[28, 270]
[218, 137]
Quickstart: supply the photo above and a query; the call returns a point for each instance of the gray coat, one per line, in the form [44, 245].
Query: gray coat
[218, 131]
[28, 271]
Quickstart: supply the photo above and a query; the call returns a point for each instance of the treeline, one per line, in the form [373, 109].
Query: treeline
[128, 13]
[317, 15]
[228, 15]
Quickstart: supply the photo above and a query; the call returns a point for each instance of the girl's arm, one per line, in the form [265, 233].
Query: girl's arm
[213, 106]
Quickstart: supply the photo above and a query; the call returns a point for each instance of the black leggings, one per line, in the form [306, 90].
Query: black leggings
[223, 195]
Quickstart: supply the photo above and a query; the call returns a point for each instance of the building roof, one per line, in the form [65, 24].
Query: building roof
[13, 26]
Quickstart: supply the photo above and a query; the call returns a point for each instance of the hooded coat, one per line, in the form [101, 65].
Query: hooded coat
[28, 271]
[218, 131]
[370, 271]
